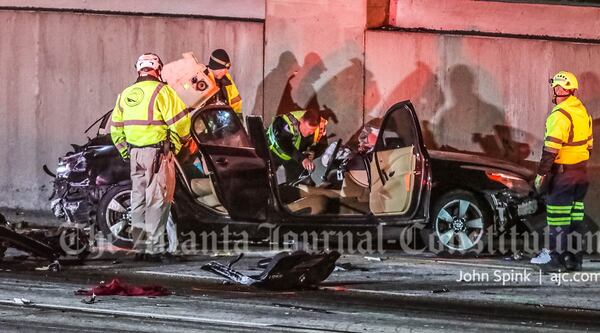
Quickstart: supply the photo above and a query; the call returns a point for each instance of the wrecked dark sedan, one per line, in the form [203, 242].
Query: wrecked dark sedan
[225, 179]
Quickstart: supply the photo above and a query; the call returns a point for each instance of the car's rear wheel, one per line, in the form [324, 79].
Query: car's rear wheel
[114, 216]
[460, 223]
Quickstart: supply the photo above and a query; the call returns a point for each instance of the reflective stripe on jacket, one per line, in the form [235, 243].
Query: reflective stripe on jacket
[143, 113]
[233, 95]
[293, 127]
[569, 132]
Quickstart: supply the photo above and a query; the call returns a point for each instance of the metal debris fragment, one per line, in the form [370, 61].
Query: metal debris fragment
[441, 290]
[90, 300]
[22, 301]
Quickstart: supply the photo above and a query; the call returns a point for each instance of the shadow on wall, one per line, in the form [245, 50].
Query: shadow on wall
[470, 121]
[299, 93]
[422, 87]
[590, 96]
[286, 68]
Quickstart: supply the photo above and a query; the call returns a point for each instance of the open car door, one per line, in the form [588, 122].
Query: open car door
[238, 174]
[398, 164]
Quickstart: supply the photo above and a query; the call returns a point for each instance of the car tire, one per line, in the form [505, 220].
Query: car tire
[114, 216]
[460, 224]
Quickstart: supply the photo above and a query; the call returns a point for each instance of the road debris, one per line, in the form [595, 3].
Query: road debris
[284, 271]
[343, 267]
[303, 308]
[22, 301]
[116, 287]
[441, 290]
[515, 256]
[374, 258]
[10, 237]
[89, 300]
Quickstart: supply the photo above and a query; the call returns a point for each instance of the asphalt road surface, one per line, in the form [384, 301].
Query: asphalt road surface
[400, 294]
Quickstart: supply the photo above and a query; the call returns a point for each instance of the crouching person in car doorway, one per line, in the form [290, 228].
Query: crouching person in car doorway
[149, 124]
[295, 139]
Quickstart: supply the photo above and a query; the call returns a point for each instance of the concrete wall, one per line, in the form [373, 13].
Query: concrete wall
[61, 71]
[246, 9]
[314, 57]
[480, 94]
[497, 17]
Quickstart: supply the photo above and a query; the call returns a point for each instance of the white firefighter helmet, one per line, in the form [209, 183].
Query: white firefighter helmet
[148, 60]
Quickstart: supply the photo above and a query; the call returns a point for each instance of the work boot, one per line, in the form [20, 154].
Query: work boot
[572, 262]
[542, 257]
[554, 265]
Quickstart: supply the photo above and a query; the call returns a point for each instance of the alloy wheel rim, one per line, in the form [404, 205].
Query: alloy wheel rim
[459, 225]
[118, 216]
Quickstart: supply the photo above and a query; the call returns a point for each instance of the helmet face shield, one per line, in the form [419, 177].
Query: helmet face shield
[148, 61]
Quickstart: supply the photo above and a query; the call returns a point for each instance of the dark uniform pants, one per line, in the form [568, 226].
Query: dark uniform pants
[565, 209]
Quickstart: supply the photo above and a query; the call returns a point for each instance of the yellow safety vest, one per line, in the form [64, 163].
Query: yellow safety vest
[293, 121]
[233, 95]
[143, 113]
[569, 132]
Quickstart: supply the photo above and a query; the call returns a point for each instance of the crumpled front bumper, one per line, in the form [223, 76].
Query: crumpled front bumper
[510, 207]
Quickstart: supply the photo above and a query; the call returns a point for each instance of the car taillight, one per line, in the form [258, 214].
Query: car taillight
[514, 183]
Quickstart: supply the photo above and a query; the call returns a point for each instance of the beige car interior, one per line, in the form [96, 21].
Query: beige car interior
[205, 193]
[393, 197]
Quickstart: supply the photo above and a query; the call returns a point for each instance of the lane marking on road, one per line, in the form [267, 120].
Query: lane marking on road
[458, 263]
[139, 314]
[461, 263]
[199, 320]
[378, 292]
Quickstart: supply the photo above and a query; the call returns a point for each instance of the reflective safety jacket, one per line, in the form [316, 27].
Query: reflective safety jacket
[569, 132]
[143, 113]
[285, 139]
[229, 92]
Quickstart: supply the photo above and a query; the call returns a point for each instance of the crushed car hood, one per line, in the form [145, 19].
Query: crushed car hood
[483, 161]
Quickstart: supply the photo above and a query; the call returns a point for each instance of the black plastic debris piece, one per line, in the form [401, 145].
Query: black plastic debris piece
[302, 308]
[346, 266]
[441, 290]
[284, 271]
[89, 300]
[11, 238]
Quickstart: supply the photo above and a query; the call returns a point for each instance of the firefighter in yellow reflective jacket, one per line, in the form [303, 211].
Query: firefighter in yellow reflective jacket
[295, 139]
[563, 173]
[149, 124]
[218, 70]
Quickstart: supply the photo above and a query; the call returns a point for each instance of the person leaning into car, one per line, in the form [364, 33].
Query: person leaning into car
[295, 139]
[150, 123]
[563, 168]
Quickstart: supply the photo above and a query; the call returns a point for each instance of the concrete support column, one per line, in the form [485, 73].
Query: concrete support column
[314, 58]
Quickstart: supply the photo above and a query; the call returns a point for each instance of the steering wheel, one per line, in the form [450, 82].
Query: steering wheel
[329, 166]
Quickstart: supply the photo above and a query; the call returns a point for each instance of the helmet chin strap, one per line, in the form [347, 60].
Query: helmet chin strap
[556, 96]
